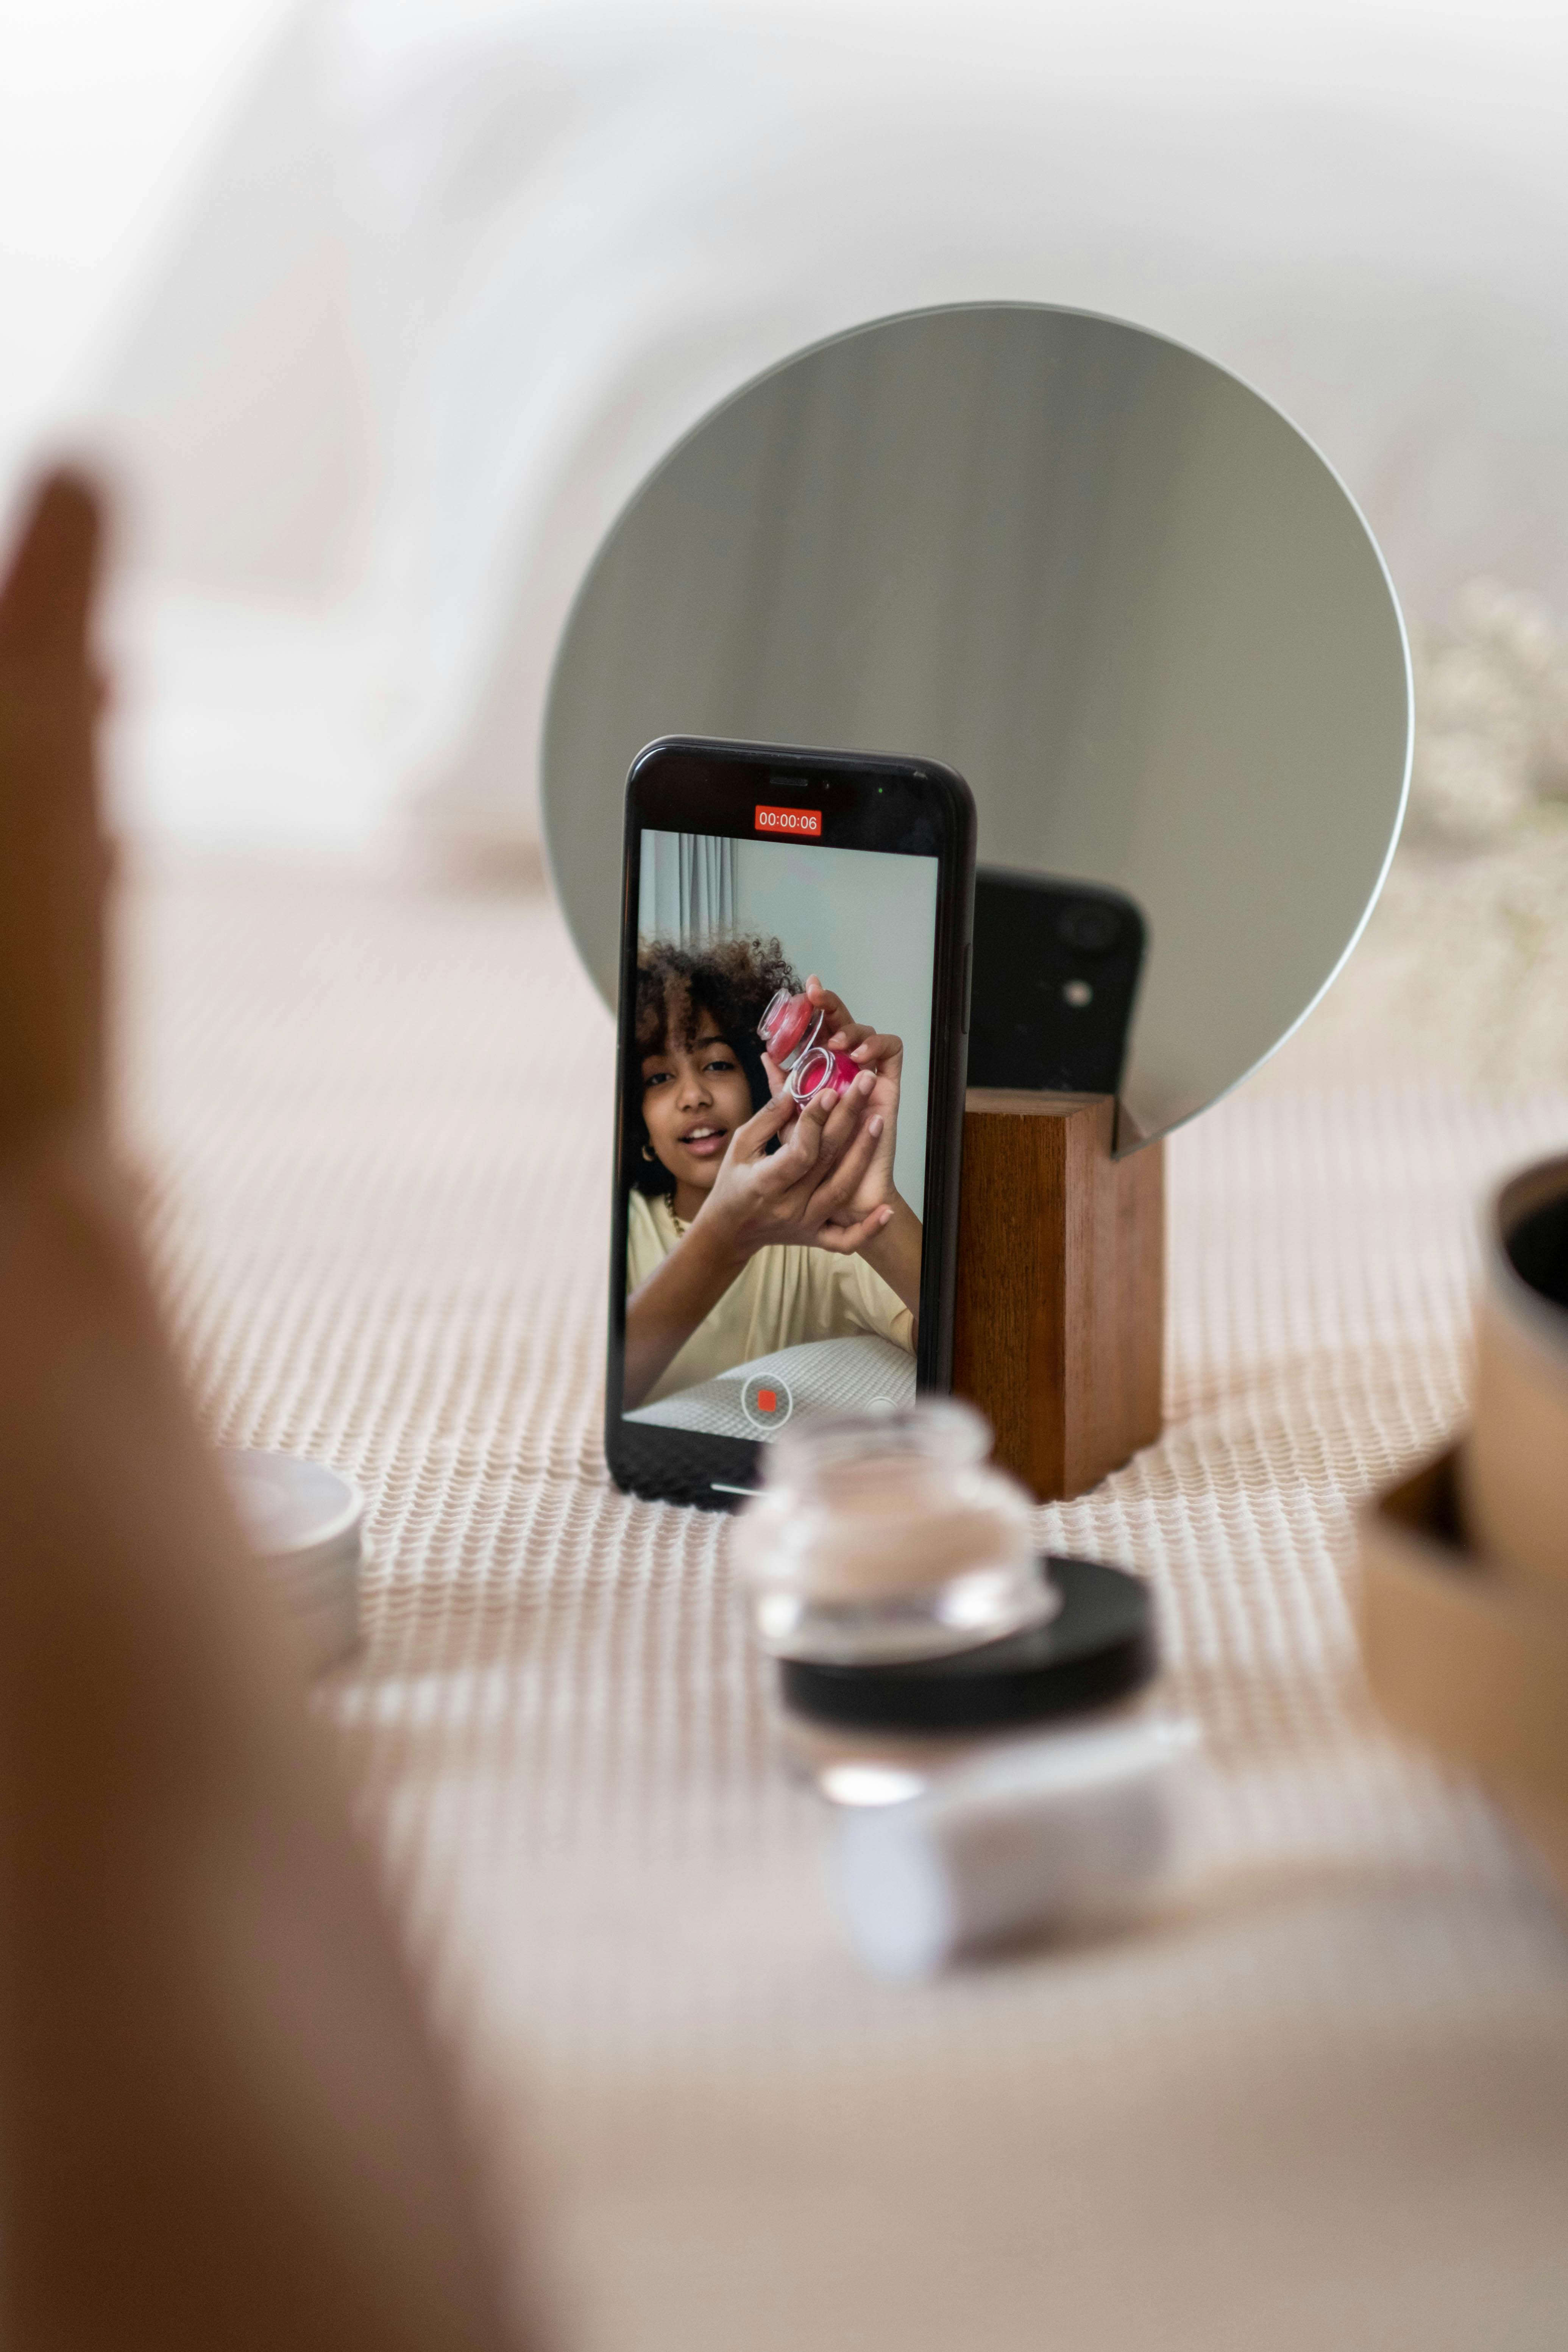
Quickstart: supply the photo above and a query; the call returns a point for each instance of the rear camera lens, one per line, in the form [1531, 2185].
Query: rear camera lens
[1090, 926]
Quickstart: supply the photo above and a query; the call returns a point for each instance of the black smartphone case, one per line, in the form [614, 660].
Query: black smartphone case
[1055, 975]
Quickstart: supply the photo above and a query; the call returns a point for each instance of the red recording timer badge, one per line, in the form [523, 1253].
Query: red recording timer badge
[792, 823]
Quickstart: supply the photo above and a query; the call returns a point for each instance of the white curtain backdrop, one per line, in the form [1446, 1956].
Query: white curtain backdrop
[687, 892]
[462, 273]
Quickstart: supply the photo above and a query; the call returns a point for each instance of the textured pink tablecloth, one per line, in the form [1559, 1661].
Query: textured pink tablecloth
[1321, 2103]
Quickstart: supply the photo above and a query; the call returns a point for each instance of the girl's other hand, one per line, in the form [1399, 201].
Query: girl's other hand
[806, 1190]
[883, 1056]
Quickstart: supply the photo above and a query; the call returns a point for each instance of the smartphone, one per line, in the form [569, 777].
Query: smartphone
[776, 1253]
[1056, 977]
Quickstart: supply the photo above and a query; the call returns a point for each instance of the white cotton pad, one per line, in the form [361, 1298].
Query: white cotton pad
[1020, 1842]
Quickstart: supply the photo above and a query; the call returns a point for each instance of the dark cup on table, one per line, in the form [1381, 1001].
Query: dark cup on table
[1513, 1466]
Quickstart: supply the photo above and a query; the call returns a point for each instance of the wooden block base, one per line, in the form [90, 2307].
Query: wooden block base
[1059, 1329]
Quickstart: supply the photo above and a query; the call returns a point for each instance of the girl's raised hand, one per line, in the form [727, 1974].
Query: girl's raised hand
[804, 1191]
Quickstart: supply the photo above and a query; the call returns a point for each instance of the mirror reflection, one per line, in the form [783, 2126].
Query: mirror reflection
[1107, 582]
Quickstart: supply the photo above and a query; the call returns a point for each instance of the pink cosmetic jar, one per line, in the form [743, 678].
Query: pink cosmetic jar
[822, 1069]
[789, 1027]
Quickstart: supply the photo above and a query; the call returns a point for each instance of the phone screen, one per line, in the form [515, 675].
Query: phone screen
[773, 1238]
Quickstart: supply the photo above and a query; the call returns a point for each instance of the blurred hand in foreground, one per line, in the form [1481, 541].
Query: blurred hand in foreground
[221, 2119]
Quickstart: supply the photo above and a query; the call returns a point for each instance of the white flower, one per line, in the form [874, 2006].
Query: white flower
[1491, 703]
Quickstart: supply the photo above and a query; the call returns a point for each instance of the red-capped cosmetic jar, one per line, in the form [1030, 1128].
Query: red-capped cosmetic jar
[789, 1027]
[822, 1069]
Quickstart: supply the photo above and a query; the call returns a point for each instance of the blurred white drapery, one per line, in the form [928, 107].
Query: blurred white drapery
[461, 275]
[687, 892]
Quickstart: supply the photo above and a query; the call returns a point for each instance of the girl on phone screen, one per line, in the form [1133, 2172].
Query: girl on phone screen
[753, 1223]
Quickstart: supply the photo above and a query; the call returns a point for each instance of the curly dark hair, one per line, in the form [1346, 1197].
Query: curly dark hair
[732, 981]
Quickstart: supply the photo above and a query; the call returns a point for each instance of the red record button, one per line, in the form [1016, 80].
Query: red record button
[766, 1402]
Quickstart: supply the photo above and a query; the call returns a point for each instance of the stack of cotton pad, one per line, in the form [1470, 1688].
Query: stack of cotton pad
[1072, 1826]
[305, 1524]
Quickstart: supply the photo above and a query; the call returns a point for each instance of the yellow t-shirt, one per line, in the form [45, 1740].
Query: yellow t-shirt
[787, 1293]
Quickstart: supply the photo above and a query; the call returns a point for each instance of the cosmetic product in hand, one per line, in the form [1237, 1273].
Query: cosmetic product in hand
[1513, 1464]
[885, 1537]
[305, 1524]
[822, 1069]
[789, 1027]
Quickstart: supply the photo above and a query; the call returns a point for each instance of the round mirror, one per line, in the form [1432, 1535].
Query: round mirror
[1103, 579]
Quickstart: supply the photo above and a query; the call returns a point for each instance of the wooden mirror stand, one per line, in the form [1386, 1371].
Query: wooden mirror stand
[1059, 1329]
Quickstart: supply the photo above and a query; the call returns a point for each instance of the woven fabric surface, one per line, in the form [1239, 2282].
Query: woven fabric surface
[1320, 2098]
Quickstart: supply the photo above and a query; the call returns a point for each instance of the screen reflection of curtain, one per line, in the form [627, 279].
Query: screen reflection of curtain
[687, 886]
